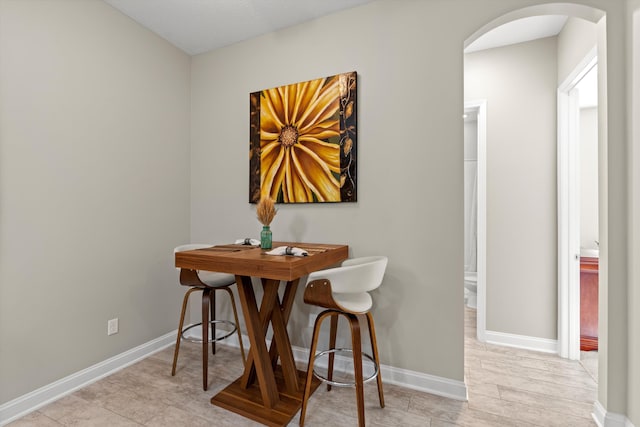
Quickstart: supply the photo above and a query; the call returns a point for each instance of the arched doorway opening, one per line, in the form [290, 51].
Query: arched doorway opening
[566, 264]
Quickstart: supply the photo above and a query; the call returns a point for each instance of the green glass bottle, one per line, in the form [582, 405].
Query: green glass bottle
[265, 237]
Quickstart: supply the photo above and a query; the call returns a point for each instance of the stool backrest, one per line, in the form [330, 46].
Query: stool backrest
[355, 275]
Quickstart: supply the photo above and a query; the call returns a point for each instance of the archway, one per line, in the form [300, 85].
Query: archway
[564, 309]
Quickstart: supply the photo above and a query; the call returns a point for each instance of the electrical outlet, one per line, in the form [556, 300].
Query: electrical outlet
[112, 326]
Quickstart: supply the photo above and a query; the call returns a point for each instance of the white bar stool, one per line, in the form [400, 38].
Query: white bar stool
[208, 282]
[344, 291]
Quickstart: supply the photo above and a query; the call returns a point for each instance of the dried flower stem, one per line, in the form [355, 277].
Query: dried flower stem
[266, 210]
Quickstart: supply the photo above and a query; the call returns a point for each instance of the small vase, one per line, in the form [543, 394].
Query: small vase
[265, 237]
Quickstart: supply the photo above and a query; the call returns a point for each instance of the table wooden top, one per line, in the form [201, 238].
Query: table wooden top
[242, 260]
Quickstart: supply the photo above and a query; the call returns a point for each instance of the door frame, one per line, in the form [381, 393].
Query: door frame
[480, 106]
[568, 170]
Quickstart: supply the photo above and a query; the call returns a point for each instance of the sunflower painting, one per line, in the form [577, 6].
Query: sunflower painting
[303, 141]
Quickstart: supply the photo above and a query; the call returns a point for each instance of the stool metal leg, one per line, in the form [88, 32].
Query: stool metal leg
[212, 310]
[357, 365]
[206, 302]
[208, 327]
[376, 356]
[356, 350]
[185, 300]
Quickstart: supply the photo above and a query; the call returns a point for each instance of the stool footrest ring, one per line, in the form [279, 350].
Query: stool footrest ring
[345, 384]
[212, 339]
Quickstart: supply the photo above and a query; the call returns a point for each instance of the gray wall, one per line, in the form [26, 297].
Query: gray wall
[404, 210]
[633, 398]
[415, 89]
[588, 177]
[470, 153]
[94, 187]
[576, 39]
[519, 84]
[471, 139]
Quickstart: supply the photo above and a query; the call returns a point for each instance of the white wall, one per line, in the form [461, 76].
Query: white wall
[519, 84]
[471, 139]
[470, 194]
[577, 38]
[94, 187]
[589, 177]
[575, 41]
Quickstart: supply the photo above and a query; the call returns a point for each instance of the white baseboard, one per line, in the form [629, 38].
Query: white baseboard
[36, 399]
[609, 419]
[440, 386]
[598, 414]
[524, 342]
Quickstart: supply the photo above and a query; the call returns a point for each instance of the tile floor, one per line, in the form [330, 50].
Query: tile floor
[507, 387]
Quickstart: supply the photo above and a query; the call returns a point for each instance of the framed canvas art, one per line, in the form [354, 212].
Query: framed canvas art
[303, 141]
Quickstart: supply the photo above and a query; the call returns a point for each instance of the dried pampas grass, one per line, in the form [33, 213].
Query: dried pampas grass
[266, 210]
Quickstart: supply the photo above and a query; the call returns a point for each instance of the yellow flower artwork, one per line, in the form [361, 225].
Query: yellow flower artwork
[303, 141]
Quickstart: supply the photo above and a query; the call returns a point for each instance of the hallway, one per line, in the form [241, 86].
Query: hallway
[527, 386]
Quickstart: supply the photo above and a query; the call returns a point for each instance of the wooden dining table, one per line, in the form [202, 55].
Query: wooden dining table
[267, 392]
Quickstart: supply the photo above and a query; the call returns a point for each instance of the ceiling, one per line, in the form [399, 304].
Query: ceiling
[198, 26]
[519, 31]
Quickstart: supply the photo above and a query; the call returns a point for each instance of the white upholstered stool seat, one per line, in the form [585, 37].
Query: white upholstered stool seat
[214, 280]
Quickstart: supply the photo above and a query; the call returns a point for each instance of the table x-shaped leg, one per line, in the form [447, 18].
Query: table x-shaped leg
[258, 351]
[276, 313]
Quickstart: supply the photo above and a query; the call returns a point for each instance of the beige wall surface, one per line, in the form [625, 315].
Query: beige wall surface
[633, 398]
[404, 210]
[519, 84]
[94, 187]
[613, 222]
[589, 177]
[410, 169]
[576, 39]
[574, 43]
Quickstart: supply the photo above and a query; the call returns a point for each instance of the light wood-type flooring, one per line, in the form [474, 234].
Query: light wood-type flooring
[507, 387]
